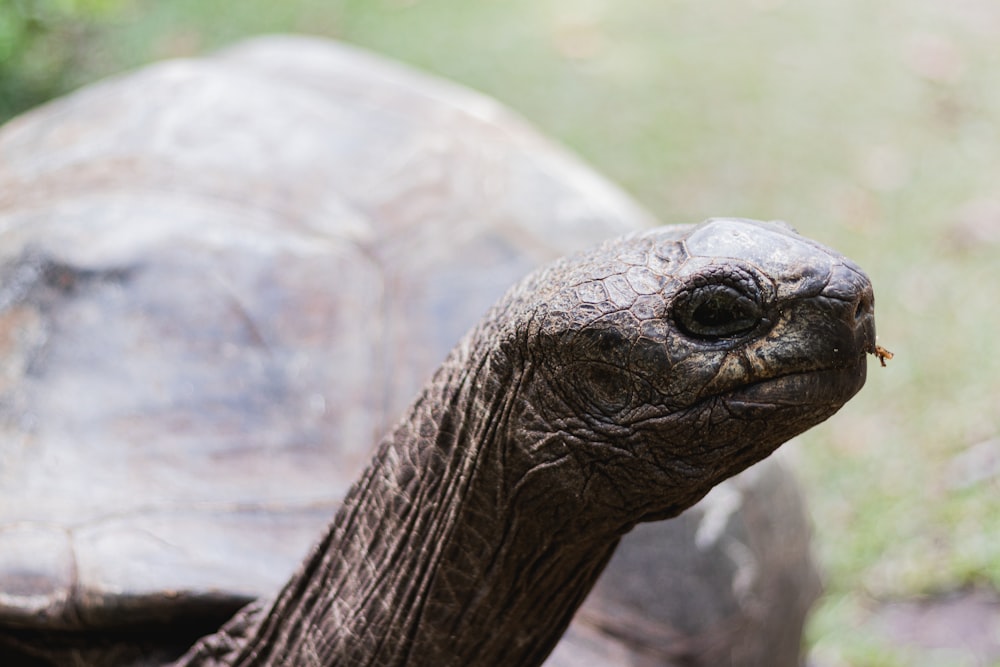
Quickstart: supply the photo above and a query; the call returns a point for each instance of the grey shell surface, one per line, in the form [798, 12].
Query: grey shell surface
[222, 279]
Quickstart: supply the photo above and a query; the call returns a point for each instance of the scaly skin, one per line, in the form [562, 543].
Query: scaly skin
[610, 388]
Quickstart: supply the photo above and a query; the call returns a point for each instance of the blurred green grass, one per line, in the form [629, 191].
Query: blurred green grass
[39, 40]
[871, 127]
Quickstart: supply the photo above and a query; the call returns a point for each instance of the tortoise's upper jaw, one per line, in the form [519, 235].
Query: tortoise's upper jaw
[837, 334]
[821, 376]
[821, 322]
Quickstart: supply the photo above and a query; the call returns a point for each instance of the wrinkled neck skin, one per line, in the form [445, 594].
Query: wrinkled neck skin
[444, 552]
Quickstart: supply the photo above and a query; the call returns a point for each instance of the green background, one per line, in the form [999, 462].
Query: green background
[872, 127]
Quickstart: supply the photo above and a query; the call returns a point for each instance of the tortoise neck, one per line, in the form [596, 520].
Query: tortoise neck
[434, 558]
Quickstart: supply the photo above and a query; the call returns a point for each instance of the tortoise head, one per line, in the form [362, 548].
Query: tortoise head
[662, 363]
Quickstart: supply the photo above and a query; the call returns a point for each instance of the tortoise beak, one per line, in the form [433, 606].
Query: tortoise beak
[837, 328]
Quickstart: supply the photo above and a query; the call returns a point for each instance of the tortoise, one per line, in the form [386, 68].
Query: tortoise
[223, 278]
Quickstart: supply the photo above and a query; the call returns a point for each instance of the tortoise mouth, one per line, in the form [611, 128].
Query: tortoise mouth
[814, 388]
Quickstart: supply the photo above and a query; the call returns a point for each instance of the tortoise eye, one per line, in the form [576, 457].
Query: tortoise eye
[717, 311]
